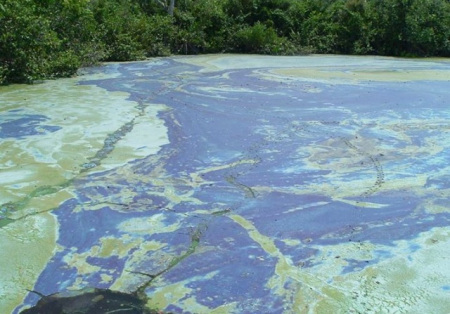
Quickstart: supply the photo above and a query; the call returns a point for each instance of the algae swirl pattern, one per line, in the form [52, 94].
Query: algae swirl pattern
[231, 184]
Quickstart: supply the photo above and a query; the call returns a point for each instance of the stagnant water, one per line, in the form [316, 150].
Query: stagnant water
[230, 184]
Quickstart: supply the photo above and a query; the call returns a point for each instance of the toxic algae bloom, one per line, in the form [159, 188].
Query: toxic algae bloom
[52, 134]
[230, 184]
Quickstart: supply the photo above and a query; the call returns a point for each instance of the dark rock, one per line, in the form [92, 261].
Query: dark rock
[90, 301]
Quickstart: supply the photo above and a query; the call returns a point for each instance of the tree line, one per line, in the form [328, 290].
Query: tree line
[54, 38]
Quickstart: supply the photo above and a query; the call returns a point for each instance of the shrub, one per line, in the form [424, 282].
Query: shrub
[63, 64]
[255, 39]
[2, 74]
[158, 35]
[26, 41]
[120, 25]
[428, 28]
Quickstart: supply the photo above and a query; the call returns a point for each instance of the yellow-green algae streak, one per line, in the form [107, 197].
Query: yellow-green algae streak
[403, 283]
[39, 169]
[312, 289]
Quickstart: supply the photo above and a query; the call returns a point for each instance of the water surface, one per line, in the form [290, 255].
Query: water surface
[231, 184]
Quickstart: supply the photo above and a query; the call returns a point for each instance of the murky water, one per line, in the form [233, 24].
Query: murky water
[232, 184]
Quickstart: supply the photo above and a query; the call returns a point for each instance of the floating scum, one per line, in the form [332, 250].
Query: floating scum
[230, 184]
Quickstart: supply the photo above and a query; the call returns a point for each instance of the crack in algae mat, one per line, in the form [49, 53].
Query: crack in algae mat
[231, 184]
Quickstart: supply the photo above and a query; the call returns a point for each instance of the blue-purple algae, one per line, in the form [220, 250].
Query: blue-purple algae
[240, 184]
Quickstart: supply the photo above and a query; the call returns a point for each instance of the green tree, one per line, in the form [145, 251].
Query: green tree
[427, 28]
[120, 24]
[27, 43]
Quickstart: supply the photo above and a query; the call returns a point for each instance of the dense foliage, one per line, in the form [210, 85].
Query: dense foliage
[53, 38]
